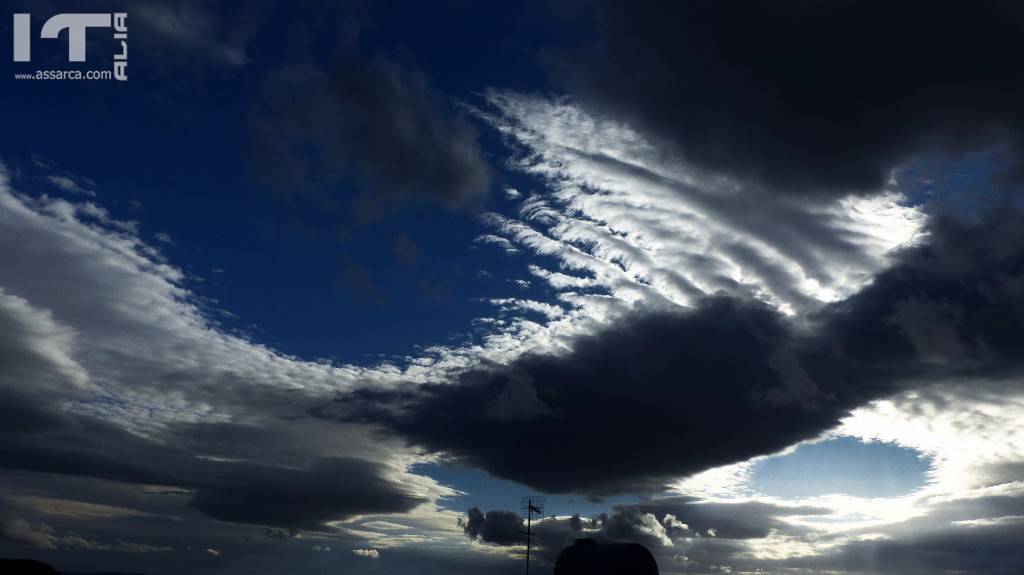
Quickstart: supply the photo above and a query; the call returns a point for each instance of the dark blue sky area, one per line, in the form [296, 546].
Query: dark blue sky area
[171, 148]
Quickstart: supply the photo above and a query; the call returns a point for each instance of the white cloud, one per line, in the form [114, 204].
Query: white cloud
[69, 185]
[427, 525]
[111, 316]
[38, 351]
[385, 526]
[370, 553]
[992, 521]
[501, 242]
[673, 524]
[527, 305]
[649, 525]
[647, 228]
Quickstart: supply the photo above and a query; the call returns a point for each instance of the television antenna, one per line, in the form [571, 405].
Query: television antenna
[528, 507]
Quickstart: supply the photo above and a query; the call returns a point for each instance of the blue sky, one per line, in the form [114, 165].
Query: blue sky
[168, 198]
[843, 465]
[333, 286]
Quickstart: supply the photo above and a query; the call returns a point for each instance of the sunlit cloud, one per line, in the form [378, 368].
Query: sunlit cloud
[624, 219]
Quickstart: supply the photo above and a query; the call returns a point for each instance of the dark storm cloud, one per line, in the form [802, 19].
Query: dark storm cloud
[497, 526]
[552, 534]
[953, 306]
[809, 96]
[335, 488]
[660, 395]
[239, 492]
[602, 418]
[368, 121]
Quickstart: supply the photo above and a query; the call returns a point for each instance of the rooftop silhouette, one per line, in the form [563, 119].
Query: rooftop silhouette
[588, 557]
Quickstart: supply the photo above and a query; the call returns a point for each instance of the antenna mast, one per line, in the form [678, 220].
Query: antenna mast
[528, 507]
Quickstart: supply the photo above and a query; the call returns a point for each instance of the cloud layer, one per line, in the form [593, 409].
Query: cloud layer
[124, 378]
[655, 350]
[808, 97]
[671, 393]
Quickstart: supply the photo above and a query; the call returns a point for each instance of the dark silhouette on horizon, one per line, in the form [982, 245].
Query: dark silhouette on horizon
[588, 557]
[33, 567]
[25, 567]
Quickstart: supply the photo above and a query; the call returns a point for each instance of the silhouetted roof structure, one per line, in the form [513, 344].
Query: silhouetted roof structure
[588, 557]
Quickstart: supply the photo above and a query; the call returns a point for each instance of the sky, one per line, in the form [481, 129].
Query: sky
[329, 287]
